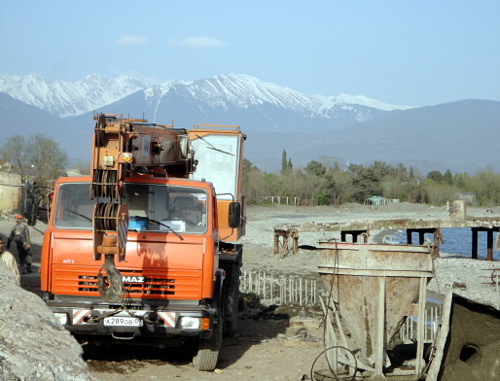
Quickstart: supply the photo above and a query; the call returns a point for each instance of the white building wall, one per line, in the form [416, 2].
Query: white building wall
[10, 191]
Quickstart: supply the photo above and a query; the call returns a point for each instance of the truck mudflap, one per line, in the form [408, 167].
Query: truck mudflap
[135, 323]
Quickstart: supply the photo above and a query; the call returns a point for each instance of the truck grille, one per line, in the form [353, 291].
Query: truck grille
[181, 284]
[150, 287]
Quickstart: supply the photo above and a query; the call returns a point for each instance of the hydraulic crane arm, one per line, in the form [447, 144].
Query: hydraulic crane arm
[123, 148]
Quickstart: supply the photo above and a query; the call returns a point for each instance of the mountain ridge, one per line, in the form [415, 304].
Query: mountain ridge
[65, 98]
[460, 136]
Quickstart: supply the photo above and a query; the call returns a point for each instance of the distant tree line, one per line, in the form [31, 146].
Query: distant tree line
[36, 157]
[325, 182]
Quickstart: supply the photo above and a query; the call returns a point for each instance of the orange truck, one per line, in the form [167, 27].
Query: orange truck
[145, 250]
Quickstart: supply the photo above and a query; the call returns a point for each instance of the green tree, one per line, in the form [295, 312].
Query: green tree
[394, 187]
[412, 173]
[315, 168]
[366, 182]
[322, 199]
[436, 176]
[284, 163]
[458, 180]
[415, 192]
[255, 186]
[273, 185]
[246, 169]
[14, 150]
[339, 186]
[438, 194]
[380, 170]
[486, 186]
[401, 173]
[37, 157]
[253, 183]
[448, 177]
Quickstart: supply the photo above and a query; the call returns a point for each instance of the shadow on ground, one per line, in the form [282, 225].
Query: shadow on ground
[253, 329]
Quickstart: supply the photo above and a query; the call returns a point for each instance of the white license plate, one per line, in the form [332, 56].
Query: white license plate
[120, 321]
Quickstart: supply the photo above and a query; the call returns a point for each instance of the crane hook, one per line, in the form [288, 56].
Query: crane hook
[110, 284]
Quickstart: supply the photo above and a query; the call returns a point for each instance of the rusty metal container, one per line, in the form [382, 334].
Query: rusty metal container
[371, 288]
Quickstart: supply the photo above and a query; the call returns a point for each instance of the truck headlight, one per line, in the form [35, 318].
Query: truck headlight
[194, 323]
[62, 318]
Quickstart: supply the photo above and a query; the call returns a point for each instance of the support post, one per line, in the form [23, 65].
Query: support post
[421, 236]
[474, 243]
[355, 234]
[380, 350]
[489, 245]
[437, 239]
[421, 326]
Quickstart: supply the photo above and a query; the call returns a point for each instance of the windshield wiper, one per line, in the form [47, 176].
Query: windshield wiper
[212, 146]
[159, 223]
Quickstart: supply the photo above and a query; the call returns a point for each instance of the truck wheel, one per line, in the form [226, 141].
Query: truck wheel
[231, 323]
[208, 350]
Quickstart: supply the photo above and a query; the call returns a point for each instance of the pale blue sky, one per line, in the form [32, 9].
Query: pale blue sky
[401, 52]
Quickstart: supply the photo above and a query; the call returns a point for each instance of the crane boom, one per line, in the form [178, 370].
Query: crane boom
[121, 148]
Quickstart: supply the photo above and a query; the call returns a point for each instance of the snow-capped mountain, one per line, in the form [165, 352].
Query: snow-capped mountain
[242, 91]
[346, 99]
[235, 91]
[63, 98]
[460, 136]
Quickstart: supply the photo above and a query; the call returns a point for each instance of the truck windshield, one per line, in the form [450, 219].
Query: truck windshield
[151, 207]
[218, 158]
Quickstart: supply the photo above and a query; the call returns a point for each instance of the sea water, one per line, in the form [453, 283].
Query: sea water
[457, 241]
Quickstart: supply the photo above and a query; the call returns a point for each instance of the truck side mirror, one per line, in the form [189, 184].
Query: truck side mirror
[234, 217]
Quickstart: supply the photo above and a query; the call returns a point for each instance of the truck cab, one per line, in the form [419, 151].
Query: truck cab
[178, 280]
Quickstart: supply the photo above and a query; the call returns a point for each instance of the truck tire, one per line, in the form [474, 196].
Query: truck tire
[233, 298]
[208, 350]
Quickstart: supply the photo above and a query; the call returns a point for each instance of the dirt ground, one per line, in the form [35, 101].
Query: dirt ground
[268, 346]
[262, 350]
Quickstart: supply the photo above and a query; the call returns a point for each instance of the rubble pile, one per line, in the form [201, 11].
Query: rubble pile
[33, 345]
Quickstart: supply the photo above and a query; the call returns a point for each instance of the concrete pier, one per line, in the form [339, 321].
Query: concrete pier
[457, 218]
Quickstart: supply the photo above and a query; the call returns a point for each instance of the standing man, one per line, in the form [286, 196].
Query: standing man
[21, 236]
[10, 261]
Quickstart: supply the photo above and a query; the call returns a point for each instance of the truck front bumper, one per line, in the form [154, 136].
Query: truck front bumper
[122, 323]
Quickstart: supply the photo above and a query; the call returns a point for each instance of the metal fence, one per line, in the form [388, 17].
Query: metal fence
[282, 200]
[280, 289]
[432, 321]
[294, 289]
